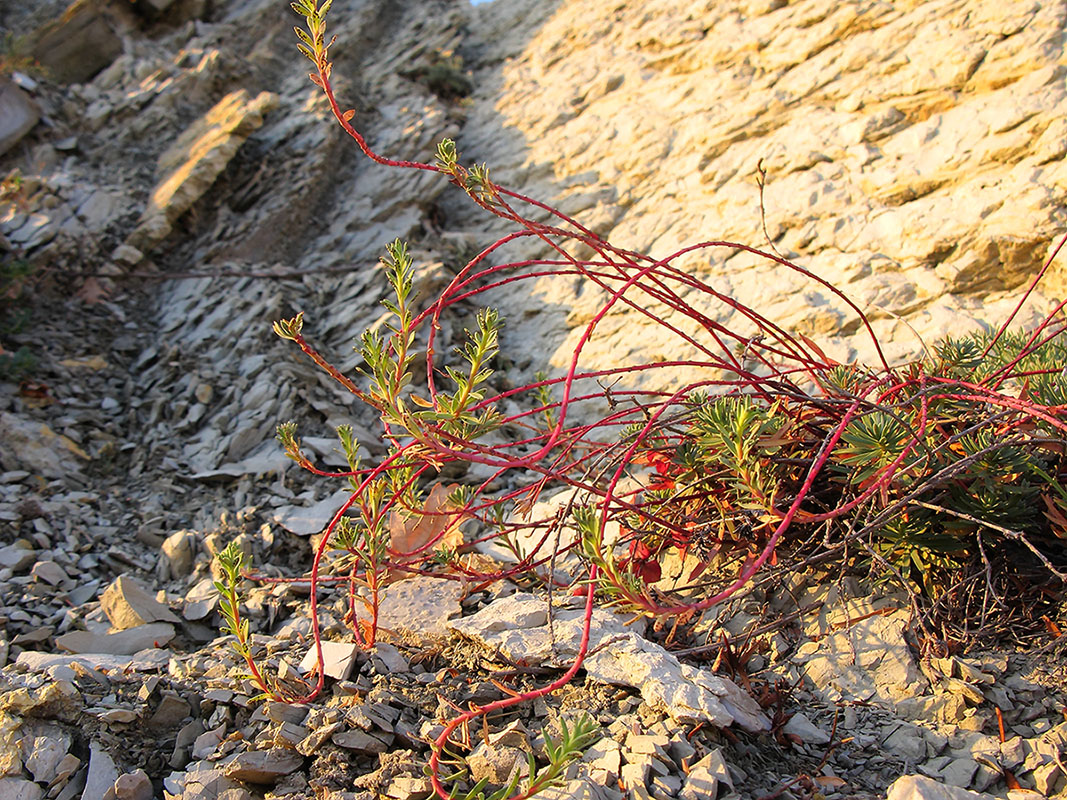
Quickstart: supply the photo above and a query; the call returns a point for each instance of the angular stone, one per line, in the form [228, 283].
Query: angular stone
[404, 787]
[42, 754]
[634, 775]
[204, 744]
[67, 766]
[605, 754]
[574, 790]
[518, 626]
[1048, 778]
[102, 774]
[646, 744]
[1013, 752]
[18, 114]
[20, 789]
[805, 730]
[101, 208]
[700, 784]
[388, 660]
[144, 661]
[83, 41]
[317, 738]
[171, 711]
[965, 690]
[17, 557]
[870, 659]
[959, 772]
[128, 604]
[715, 764]
[201, 600]
[919, 787]
[205, 781]
[420, 606]
[263, 766]
[177, 554]
[287, 712]
[50, 572]
[125, 642]
[907, 741]
[134, 785]
[362, 742]
[25, 444]
[337, 659]
[309, 520]
[122, 716]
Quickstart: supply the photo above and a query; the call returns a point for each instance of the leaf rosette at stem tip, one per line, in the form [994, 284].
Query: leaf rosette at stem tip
[560, 752]
[289, 328]
[313, 41]
[230, 561]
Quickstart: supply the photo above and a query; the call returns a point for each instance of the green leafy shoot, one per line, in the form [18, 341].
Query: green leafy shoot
[478, 184]
[546, 401]
[313, 40]
[389, 361]
[350, 448]
[871, 443]
[286, 434]
[737, 434]
[561, 752]
[231, 560]
[623, 587]
[290, 328]
[481, 347]
[447, 156]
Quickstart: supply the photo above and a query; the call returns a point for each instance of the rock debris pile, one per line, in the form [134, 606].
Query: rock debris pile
[180, 185]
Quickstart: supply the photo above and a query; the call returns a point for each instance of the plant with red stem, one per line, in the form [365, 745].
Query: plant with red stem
[931, 467]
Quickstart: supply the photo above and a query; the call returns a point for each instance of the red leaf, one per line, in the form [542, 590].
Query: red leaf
[1051, 627]
[698, 570]
[816, 349]
[1055, 516]
[649, 571]
[348, 114]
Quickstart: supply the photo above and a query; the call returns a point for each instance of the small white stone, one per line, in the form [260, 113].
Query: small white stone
[338, 658]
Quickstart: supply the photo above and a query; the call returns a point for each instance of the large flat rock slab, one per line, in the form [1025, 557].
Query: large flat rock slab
[519, 627]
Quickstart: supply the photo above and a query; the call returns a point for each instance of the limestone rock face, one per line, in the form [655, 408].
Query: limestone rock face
[914, 152]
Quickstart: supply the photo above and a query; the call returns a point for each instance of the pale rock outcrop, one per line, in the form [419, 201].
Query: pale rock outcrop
[189, 166]
[914, 153]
